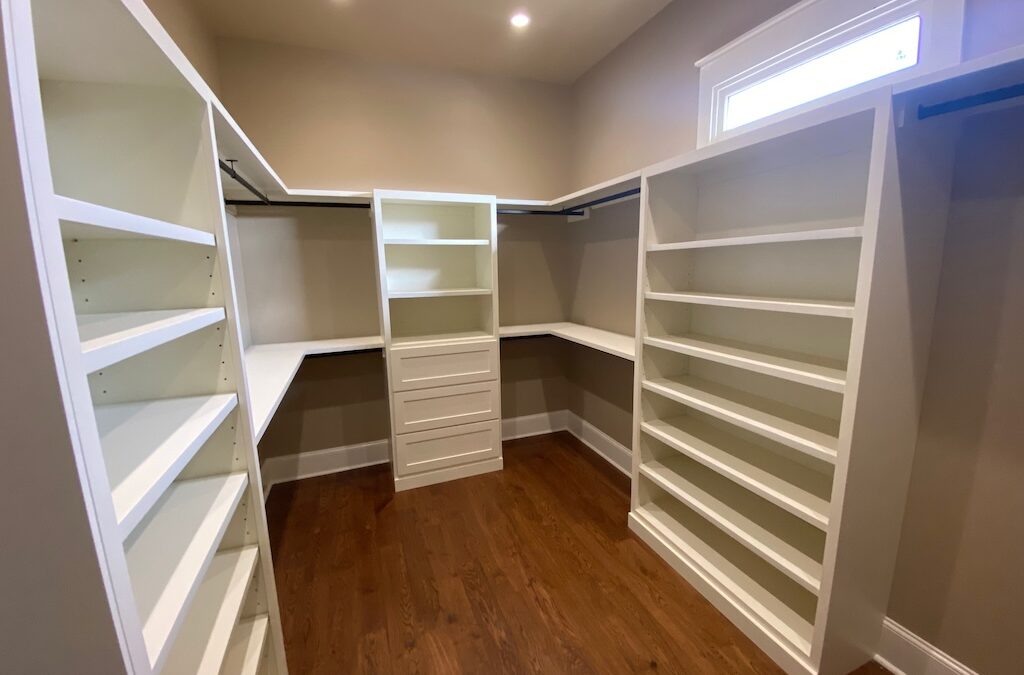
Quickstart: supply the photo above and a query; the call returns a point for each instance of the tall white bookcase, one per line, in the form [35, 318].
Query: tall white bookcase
[118, 154]
[770, 460]
[437, 272]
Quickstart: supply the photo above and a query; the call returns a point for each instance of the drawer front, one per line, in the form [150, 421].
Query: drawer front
[442, 365]
[444, 448]
[446, 406]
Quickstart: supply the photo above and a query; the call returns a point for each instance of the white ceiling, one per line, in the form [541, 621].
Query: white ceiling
[564, 39]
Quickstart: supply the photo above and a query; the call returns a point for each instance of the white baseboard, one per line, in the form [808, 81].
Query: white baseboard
[534, 425]
[322, 462]
[904, 653]
[613, 452]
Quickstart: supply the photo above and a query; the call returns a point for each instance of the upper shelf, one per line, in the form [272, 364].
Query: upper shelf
[616, 344]
[83, 220]
[437, 242]
[109, 338]
[833, 308]
[852, 232]
[438, 293]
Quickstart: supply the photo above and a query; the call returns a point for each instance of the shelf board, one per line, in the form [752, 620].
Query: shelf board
[773, 549]
[733, 583]
[798, 429]
[247, 644]
[834, 308]
[271, 368]
[109, 338]
[147, 444]
[437, 242]
[815, 372]
[438, 293]
[789, 485]
[203, 642]
[169, 553]
[420, 340]
[852, 232]
[616, 344]
[83, 220]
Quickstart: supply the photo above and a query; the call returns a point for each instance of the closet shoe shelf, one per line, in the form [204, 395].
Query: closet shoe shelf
[109, 338]
[788, 305]
[246, 649]
[852, 232]
[616, 344]
[83, 220]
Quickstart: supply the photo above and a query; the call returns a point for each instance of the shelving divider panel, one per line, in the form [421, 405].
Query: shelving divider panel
[247, 645]
[84, 220]
[834, 308]
[850, 232]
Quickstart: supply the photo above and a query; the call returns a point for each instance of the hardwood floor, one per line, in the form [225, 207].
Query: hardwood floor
[528, 570]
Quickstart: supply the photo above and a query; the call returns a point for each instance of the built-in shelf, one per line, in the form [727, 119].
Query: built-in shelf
[109, 338]
[853, 232]
[83, 220]
[795, 428]
[789, 485]
[271, 368]
[826, 374]
[247, 645]
[437, 242]
[791, 561]
[202, 643]
[147, 444]
[616, 344]
[169, 553]
[423, 340]
[438, 293]
[736, 585]
[834, 308]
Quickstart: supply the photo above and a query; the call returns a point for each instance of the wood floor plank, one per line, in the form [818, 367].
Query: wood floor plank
[527, 570]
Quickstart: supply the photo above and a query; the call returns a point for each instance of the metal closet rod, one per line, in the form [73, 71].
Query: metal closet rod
[973, 101]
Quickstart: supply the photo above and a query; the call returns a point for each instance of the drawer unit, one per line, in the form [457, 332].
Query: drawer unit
[439, 407]
[442, 365]
[448, 447]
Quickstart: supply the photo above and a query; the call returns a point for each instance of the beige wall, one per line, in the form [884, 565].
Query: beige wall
[185, 27]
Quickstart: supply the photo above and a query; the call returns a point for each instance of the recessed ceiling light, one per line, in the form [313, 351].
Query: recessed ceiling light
[520, 20]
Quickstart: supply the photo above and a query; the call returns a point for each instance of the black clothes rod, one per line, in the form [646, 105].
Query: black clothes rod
[577, 210]
[973, 101]
[270, 202]
[230, 170]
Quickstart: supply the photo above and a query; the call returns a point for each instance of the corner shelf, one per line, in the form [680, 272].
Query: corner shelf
[145, 446]
[831, 308]
[83, 220]
[109, 338]
[247, 645]
[616, 344]
[850, 232]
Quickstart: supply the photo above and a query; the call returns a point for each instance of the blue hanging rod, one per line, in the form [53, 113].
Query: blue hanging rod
[973, 101]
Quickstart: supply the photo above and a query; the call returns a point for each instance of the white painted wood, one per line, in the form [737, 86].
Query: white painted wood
[437, 242]
[588, 336]
[440, 293]
[423, 409]
[203, 641]
[442, 365]
[850, 232]
[246, 649]
[109, 338]
[451, 446]
[902, 652]
[789, 305]
[82, 220]
[315, 463]
[444, 475]
[171, 550]
[145, 446]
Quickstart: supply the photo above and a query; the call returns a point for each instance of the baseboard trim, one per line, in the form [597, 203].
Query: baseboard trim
[613, 452]
[905, 653]
[534, 425]
[322, 462]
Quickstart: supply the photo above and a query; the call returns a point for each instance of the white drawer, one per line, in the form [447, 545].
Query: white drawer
[446, 406]
[444, 448]
[442, 365]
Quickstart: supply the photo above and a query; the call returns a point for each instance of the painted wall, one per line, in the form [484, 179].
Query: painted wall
[183, 24]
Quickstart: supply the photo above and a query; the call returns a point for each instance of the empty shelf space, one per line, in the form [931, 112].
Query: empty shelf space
[795, 428]
[439, 293]
[421, 340]
[805, 369]
[851, 232]
[271, 368]
[109, 338]
[790, 486]
[202, 644]
[668, 474]
[616, 344]
[734, 582]
[835, 308]
[437, 242]
[246, 649]
[83, 220]
[169, 553]
[147, 444]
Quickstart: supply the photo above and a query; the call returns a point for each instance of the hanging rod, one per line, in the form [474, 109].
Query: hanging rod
[577, 210]
[271, 202]
[228, 168]
[973, 101]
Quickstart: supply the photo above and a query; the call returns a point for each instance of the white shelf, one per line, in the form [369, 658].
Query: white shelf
[83, 220]
[833, 308]
[776, 551]
[422, 340]
[271, 368]
[821, 373]
[438, 293]
[246, 649]
[616, 344]
[799, 429]
[109, 338]
[733, 583]
[779, 481]
[755, 239]
[147, 444]
[170, 551]
[437, 242]
[203, 642]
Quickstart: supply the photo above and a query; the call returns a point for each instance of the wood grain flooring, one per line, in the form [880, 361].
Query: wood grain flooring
[528, 570]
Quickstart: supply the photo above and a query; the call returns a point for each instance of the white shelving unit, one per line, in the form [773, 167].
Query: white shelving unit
[605, 341]
[439, 309]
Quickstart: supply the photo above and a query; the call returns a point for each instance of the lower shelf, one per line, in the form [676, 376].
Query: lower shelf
[246, 649]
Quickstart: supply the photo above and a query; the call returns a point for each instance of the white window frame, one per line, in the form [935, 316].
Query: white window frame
[808, 30]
